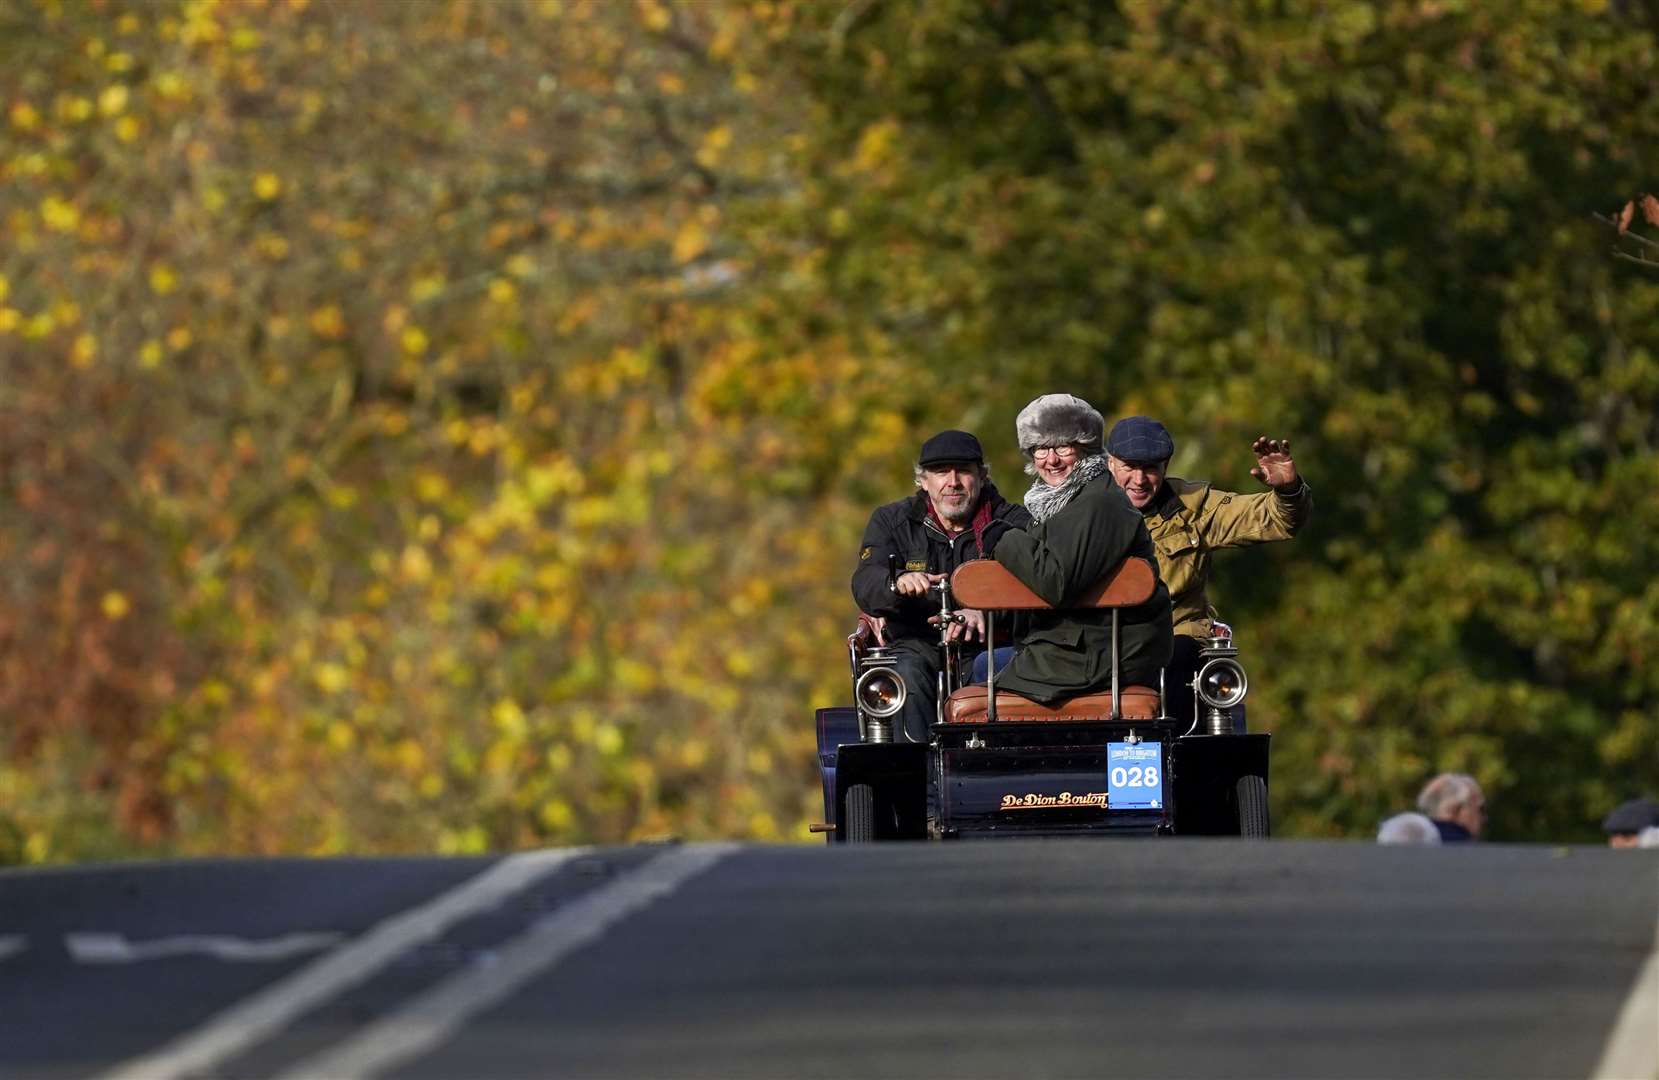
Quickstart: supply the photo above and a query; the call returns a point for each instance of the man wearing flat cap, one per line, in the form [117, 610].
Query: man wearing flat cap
[1626, 825]
[955, 515]
[1190, 519]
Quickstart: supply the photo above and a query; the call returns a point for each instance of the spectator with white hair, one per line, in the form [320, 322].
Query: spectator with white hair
[1408, 828]
[1456, 805]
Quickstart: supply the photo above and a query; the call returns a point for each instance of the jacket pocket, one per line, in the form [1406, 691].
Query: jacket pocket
[1069, 636]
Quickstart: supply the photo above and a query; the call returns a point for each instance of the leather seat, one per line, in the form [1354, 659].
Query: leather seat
[968, 706]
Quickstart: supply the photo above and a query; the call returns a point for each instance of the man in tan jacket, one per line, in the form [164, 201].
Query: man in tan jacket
[1190, 519]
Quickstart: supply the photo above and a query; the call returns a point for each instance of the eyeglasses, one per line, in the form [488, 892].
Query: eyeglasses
[1064, 453]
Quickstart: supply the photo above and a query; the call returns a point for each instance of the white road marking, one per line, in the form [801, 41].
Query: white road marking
[114, 949]
[273, 1008]
[12, 944]
[436, 1015]
[1632, 1051]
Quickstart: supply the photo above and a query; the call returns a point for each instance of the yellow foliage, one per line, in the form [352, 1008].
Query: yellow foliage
[415, 565]
[875, 145]
[714, 145]
[332, 678]
[327, 322]
[24, 117]
[115, 605]
[59, 215]
[113, 101]
[84, 351]
[556, 815]
[267, 186]
[690, 241]
[509, 718]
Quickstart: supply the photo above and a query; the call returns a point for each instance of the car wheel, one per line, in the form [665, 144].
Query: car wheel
[859, 814]
[1252, 808]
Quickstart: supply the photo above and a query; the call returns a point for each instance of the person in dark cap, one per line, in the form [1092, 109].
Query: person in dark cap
[1627, 822]
[1190, 519]
[955, 515]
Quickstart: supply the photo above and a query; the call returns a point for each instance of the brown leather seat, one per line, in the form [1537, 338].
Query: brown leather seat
[968, 706]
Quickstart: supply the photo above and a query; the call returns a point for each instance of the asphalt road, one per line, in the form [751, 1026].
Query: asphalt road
[1179, 958]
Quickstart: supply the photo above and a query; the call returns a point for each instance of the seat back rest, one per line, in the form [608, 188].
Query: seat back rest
[987, 585]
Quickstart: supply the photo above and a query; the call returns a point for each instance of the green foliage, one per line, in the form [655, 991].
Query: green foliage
[447, 426]
[1364, 226]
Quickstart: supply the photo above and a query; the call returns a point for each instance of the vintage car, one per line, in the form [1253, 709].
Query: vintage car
[1001, 765]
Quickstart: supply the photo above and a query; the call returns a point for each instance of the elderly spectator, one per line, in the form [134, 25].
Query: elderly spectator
[1627, 825]
[1408, 828]
[1456, 805]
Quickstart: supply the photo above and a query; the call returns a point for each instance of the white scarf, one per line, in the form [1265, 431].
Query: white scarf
[1043, 501]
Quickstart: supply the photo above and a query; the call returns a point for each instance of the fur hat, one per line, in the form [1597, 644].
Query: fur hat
[1059, 420]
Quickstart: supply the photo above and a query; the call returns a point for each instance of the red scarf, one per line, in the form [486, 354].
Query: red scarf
[981, 522]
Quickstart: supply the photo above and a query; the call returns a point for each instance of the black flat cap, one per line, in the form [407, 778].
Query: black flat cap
[951, 446]
[1632, 816]
[1140, 438]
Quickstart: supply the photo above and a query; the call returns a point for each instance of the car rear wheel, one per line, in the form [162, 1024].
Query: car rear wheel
[858, 815]
[1252, 807]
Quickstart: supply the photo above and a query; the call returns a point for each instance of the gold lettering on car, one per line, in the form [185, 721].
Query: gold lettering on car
[1065, 800]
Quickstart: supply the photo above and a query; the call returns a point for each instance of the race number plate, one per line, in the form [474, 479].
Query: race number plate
[1134, 776]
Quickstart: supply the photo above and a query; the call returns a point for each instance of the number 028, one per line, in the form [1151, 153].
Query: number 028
[1135, 776]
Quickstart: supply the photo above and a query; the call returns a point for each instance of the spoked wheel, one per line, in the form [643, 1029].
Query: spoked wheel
[858, 815]
[1252, 808]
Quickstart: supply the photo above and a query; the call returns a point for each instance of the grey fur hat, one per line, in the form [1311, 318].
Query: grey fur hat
[1059, 420]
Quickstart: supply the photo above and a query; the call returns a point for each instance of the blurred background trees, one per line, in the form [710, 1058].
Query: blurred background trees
[448, 426]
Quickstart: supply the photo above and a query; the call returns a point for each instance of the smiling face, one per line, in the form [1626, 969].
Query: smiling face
[1138, 479]
[953, 488]
[1055, 463]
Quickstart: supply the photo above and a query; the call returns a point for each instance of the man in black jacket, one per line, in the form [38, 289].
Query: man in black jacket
[955, 515]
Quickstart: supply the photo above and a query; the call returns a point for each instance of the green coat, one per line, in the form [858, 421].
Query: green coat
[1069, 652]
[1190, 520]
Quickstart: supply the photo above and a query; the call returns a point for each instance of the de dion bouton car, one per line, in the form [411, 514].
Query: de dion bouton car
[998, 765]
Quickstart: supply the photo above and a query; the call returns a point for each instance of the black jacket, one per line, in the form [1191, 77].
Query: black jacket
[904, 529]
[1066, 652]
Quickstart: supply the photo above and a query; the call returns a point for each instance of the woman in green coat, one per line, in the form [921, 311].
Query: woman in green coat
[1083, 526]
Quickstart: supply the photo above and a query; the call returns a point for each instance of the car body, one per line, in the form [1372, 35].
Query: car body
[1102, 764]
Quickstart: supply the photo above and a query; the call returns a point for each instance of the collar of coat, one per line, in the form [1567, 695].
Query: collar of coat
[921, 509]
[1177, 497]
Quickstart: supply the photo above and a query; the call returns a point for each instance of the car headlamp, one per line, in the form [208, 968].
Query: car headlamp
[880, 692]
[1221, 683]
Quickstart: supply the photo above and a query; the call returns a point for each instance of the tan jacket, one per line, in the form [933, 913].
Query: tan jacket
[1200, 519]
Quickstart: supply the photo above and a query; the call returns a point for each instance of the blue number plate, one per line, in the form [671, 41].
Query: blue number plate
[1134, 776]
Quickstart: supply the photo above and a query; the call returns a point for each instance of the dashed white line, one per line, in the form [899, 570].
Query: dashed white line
[1632, 1051]
[89, 948]
[273, 1008]
[436, 1015]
